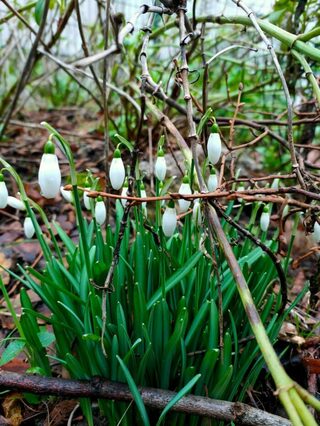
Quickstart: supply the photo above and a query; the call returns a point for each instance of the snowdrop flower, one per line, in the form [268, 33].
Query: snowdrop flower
[67, 195]
[212, 180]
[214, 145]
[265, 219]
[275, 184]
[169, 219]
[196, 213]
[15, 203]
[160, 168]
[239, 189]
[86, 199]
[3, 193]
[124, 193]
[100, 211]
[185, 190]
[28, 227]
[117, 172]
[143, 194]
[49, 175]
[316, 233]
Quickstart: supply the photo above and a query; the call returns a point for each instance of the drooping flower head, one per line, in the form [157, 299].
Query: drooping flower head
[16, 203]
[117, 171]
[316, 232]
[143, 194]
[86, 199]
[196, 212]
[28, 227]
[124, 192]
[212, 180]
[49, 175]
[185, 189]
[100, 211]
[169, 219]
[160, 167]
[3, 193]
[67, 195]
[214, 145]
[265, 219]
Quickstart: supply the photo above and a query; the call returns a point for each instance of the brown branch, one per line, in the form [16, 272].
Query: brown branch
[99, 388]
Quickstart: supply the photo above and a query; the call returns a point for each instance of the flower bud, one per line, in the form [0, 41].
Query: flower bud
[86, 199]
[28, 227]
[196, 213]
[214, 146]
[184, 190]
[100, 211]
[169, 220]
[275, 184]
[3, 193]
[124, 193]
[316, 233]
[15, 203]
[212, 183]
[265, 219]
[67, 195]
[160, 168]
[117, 172]
[49, 175]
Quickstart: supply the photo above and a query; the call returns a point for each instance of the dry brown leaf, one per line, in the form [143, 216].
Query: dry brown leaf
[12, 409]
[5, 262]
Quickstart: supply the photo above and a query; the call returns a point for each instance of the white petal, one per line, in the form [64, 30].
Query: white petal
[212, 183]
[86, 201]
[169, 221]
[15, 203]
[316, 233]
[100, 212]
[264, 221]
[28, 227]
[67, 195]
[124, 194]
[214, 148]
[185, 190]
[3, 195]
[196, 213]
[143, 195]
[49, 176]
[117, 173]
[160, 168]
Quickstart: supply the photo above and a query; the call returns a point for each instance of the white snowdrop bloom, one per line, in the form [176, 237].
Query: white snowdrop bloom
[117, 172]
[160, 168]
[239, 189]
[265, 219]
[15, 203]
[124, 193]
[100, 211]
[3, 193]
[275, 184]
[185, 190]
[143, 194]
[214, 146]
[169, 220]
[86, 200]
[28, 227]
[196, 213]
[49, 175]
[67, 195]
[212, 183]
[316, 233]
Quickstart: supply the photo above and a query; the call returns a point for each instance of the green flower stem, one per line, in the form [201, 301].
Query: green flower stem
[309, 74]
[309, 35]
[73, 175]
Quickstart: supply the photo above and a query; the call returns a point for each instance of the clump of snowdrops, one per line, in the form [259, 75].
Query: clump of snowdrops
[162, 308]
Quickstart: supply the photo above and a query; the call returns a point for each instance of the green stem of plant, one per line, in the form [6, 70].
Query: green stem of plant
[22, 9]
[309, 74]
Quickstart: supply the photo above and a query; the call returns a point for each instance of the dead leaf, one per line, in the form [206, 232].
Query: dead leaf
[5, 262]
[12, 409]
